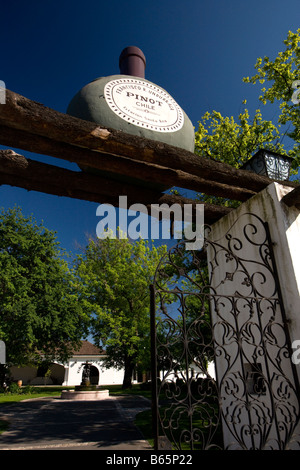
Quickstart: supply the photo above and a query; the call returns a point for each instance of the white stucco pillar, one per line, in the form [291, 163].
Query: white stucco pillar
[251, 327]
[66, 377]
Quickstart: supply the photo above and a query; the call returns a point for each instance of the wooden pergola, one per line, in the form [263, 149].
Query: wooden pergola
[30, 126]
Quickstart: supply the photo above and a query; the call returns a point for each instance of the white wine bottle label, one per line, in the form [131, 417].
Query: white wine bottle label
[143, 104]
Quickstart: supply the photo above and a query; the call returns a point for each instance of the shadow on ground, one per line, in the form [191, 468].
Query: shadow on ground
[57, 424]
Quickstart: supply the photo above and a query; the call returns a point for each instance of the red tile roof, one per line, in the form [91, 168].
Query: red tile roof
[88, 349]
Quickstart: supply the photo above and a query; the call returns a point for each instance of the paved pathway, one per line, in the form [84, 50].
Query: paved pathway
[56, 424]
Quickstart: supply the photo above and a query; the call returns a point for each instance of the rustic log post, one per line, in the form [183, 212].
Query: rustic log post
[22, 114]
[16, 170]
[292, 198]
[120, 166]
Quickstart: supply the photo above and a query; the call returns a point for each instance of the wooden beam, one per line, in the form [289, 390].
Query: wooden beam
[212, 212]
[16, 170]
[142, 172]
[65, 180]
[23, 114]
[292, 198]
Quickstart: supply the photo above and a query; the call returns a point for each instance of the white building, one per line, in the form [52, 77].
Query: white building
[70, 373]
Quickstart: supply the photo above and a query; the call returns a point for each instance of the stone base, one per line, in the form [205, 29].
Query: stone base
[84, 395]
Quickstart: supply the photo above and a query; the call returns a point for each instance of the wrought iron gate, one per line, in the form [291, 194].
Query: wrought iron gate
[221, 352]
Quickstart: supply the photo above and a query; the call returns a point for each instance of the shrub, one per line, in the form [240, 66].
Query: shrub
[14, 388]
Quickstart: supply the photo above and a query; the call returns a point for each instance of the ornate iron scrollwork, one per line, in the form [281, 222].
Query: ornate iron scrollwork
[220, 347]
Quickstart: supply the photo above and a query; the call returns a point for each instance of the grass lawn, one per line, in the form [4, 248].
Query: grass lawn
[143, 421]
[39, 392]
[135, 390]
[36, 392]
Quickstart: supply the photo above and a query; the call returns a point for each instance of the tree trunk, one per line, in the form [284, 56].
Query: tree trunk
[3, 373]
[129, 367]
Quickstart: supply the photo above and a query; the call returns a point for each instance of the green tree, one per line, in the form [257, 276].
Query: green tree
[279, 77]
[223, 139]
[235, 141]
[115, 275]
[39, 309]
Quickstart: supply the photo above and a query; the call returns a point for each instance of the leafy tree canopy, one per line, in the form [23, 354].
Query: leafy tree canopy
[115, 274]
[235, 141]
[280, 79]
[39, 308]
[222, 138]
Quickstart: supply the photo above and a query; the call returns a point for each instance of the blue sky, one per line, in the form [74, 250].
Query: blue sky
[198, 50]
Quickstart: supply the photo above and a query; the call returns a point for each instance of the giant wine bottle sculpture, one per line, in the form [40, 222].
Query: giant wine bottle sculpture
[130, 103]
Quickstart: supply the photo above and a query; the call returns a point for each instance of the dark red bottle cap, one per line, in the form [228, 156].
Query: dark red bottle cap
[132, 62]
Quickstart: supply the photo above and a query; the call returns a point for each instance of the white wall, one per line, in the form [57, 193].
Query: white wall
[249, 328]
[73, 373]
[170, 376]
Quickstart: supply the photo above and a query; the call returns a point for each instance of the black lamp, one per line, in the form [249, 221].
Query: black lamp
[271, 164]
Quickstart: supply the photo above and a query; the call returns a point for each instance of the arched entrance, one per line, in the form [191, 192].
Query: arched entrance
[94, 377]
[93, 374]
[57, 373]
